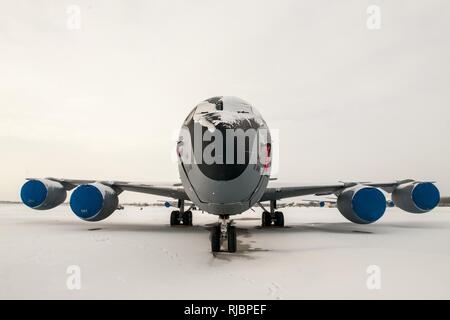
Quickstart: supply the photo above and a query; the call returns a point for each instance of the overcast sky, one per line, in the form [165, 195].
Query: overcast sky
[104, 101]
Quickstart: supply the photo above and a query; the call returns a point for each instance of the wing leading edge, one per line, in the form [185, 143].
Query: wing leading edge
[277, 193]
[174, 190]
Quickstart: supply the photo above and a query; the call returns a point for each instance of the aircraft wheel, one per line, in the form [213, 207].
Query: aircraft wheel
[187, 218]
[232, 239]
[266, 219]
[279, 219]
[174, 218]
[215, 239]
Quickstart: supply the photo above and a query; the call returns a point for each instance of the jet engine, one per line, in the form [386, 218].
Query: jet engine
[416, 197]
[43, 194]
[94, 202]
[362, 204]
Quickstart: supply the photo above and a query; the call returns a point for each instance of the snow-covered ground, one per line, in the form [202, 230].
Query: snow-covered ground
[135, 254]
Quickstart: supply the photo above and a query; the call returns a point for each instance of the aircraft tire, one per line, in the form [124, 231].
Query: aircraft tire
[215, 239]
[266, 219]
[232, 239]
[279, 219]
[187, 218]
[174, 218]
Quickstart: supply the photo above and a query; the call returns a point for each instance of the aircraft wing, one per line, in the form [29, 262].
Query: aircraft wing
[277, 193]
[171, 190]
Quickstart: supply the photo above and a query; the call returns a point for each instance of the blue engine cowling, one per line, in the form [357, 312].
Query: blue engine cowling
[43, 194]
[416, 197]
[362, 204]
[94, 202]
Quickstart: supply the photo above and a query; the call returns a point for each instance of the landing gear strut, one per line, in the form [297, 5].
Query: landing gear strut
[273, 217]
[178, 217]
[223, 232]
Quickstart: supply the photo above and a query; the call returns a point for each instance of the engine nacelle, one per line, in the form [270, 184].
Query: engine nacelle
[94, 202]
[43, 194]
[416, 197]
[362, 204]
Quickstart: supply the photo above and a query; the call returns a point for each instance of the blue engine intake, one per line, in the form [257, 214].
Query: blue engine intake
[43, 194]
[94, 202]
[416, 197]
[362, 204]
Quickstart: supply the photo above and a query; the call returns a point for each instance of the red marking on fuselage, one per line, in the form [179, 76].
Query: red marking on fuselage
[266, 164]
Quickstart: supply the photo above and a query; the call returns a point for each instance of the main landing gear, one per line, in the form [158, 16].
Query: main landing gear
[273, 217]
[180, 216]
[223, 232]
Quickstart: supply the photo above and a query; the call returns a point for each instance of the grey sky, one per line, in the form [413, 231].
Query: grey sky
[104, 101]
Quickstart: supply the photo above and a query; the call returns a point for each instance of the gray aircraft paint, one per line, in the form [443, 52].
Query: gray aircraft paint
[232, 196]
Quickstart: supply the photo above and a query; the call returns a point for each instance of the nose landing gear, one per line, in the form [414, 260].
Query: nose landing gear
[223, 232]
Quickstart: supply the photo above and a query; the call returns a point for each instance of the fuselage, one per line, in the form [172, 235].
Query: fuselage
[224, 155]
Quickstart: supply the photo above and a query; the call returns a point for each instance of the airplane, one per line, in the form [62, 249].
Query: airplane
[224, 156]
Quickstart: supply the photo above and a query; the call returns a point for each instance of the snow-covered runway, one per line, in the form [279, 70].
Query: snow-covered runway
[136, 254]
